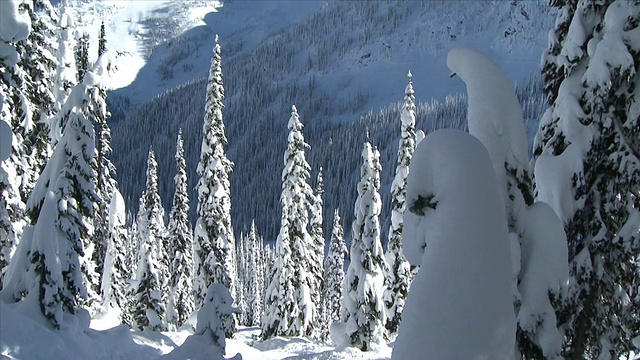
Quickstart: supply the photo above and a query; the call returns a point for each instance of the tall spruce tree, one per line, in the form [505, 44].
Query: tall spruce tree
[102, 40]
[27, 65]
[180, 240]
[363, 305]
[39, 63]
[116, 275]
[81, 54]
[289, 310]
[105, 170]
[66, 73]
[214, 240]
[149, 308]
[317, 247]
[61, 206]
[333, 276]
[254, 278]
[588, 168]
[96, 246]
[398, 279]
[242, 248]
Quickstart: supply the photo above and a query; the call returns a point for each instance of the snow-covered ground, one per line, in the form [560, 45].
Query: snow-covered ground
[106, 339]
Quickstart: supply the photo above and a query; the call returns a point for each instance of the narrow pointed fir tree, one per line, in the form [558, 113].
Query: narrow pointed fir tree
[133, 244]
[105, 170]
[334, 275]
[49, 267]
[102, 40]
[398, 279]
[254, 278]
[66, 71]
[241, 280]
[214, 240]
[317, 247]
[268, 264]
[81, 54]
[149, 311]
[116, 276]
[588, 168]
[289, 310]
[180, 240]
[363, 307]
[39, 63]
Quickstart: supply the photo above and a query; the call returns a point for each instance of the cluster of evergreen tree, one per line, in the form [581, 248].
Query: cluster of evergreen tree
[65, 240]
[590, 135]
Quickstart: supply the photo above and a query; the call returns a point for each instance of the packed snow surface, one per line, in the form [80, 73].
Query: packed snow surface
[460, 304]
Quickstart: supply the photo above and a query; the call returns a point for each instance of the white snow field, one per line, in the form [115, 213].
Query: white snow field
[27, 337]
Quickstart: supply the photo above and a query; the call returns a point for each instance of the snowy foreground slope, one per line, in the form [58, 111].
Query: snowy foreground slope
[26, 338]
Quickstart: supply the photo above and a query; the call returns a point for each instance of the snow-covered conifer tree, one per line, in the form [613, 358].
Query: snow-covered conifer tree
[81, 54]
[149, 309]
[289, 309]
[217, 305]
[317, 247]
[587, 168]
[27, 65]
[50, 266]
[254, 281]
[13, 108]
[180, 241]
[8, 239]
[117, 272]
[39, 63]
[398, 279]
[102, 40]
[214, 241]
[334, 275]
[363, 309]
[460, 305]
[268, 264]
[66, 71]
[495, 118]
[106, 184]
[241, 280]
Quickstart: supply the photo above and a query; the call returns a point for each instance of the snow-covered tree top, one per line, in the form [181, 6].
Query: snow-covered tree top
[117, 214]
[455, 213]
[491, 100]
[294, 120]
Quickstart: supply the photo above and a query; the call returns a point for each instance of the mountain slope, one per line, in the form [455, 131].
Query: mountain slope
[336, 65]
